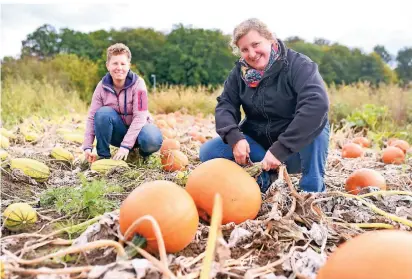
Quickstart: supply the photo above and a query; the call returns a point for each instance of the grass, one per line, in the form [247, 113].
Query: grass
[89, 200]
[383, 111]
[191, 100]
[21, 99]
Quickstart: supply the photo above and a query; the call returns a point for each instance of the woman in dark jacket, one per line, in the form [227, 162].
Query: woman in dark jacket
[286, 110]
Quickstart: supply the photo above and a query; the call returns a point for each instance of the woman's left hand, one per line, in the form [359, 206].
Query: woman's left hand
[121, 154]
[270, 161]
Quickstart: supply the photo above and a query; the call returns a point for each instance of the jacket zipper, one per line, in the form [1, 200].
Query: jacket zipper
[266, 116]
[118, 103]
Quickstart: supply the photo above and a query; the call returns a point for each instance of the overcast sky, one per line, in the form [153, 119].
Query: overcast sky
[354, 23]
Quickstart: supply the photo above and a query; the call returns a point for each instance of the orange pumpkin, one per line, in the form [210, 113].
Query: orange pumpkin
[403, 145]
[171, 121]
[376, 254]
[363, 178]
[393, 155]
[169, 144]
[168, 133]
[364, 142]
[161, 123]
[239, 191]
[352, 150]
[170, 205]
[201, 138]
[174, 160]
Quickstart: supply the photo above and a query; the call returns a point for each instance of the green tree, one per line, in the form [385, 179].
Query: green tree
[404, 68]
[73, 42]
[195, 57]
[383, 53]
[43, 42]
[321, 42]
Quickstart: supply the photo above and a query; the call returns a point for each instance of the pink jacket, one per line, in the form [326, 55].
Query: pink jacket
[131, 104]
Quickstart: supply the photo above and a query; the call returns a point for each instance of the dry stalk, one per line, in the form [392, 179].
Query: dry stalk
[160, 265]
[159, 237]
[66, 270]
[44, 237]
[214, 234]
[256, 272]
[72, 250]
[378, 210]
[365, 225]
[53, 242]
[386, 193]
[286, 177]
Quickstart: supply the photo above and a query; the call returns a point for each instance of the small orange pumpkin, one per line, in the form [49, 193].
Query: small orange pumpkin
[364, 142]
[390, 141]
[161, 123]
[364, 178]
[201, 138]
[169, 144]
[174, 160]
[393, 155]
[375, 254]
[168, 133]
[403, 145]
[352, 150]
[170, 205]
[239, 191]
[171, 121]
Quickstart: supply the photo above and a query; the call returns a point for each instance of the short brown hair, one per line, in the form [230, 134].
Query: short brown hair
[250, 24]
[118, 49]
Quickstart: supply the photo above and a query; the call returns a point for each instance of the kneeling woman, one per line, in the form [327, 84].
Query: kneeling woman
[118, 114]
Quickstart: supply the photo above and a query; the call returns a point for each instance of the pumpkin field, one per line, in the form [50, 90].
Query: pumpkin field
[169, 216]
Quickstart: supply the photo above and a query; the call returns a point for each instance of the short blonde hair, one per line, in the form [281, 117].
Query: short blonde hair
[245, 26]
[118, 49]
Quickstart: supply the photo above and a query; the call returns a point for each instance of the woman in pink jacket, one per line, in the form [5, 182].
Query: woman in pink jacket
[118, 113]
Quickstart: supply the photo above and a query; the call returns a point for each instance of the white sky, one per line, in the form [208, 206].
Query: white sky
[354, 23]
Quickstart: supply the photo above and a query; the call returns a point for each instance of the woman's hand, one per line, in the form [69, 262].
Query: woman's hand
[241, 151]
[90, 157]
[121, 154]
[270, 161]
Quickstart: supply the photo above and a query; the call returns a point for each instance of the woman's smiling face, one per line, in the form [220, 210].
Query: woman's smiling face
[255, 49]
[118, 66]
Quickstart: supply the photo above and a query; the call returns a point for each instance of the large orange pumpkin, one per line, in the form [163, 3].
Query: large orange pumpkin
[174, 160]
[170, 205]
[363, 178]
[375, 254]
[393, 155]
[352, 150]
[239, 191]
[364, 142]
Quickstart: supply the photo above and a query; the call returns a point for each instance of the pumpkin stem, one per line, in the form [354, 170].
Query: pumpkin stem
[138, 241]
[254, 170]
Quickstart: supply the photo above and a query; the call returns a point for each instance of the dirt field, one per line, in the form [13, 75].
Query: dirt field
[291, 237]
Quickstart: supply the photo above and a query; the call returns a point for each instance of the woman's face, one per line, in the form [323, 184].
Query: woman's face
[255, 49]
[118, 66]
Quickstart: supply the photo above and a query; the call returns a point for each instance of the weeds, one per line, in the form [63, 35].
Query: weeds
[87, 200]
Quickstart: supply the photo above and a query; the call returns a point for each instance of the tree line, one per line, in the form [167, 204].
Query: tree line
[195, 56]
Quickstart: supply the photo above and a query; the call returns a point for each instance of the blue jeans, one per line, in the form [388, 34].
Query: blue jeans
[310, 161]
[110, 129]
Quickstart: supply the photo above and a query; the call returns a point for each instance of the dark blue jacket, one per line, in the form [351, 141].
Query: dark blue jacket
[284, 113]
